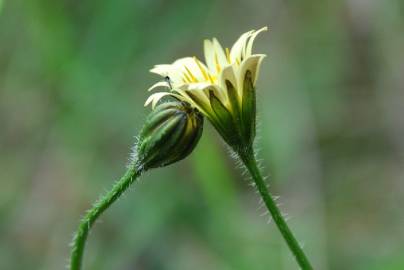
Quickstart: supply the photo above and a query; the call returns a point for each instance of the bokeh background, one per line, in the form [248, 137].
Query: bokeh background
[73, 80]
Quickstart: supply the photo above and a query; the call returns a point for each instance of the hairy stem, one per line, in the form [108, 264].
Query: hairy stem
[251, 164]
[98, 208]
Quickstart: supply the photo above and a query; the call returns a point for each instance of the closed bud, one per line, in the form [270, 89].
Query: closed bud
[171, 132]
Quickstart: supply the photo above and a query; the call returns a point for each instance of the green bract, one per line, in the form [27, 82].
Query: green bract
[171, 132]
[237, 124]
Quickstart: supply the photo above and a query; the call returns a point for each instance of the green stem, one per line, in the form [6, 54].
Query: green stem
[251, 164]
[99, 207]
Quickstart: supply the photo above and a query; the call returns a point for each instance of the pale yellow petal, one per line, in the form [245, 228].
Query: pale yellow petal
[250, 42]
[195, 70]
[194, 86]
[153, 99]
[219, 56]
[197, 98]
[161, 70]
[202, 69]
[169, 70]
[209, 54]
[159, 84]
[183, 70]
[253, 64]
[199, 95]
[238, 49]
[227, 74]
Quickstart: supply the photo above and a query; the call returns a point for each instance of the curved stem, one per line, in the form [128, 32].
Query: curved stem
[98, 208]
[251, 164]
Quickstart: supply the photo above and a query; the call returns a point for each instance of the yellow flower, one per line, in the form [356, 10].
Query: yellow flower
[223, 89]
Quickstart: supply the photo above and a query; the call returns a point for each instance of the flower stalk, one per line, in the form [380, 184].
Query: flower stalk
[249, 160]
[99, 207]
[170, 133]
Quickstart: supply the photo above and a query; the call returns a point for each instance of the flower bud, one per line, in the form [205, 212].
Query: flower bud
[171, 132]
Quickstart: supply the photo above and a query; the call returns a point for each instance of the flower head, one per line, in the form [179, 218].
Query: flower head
[170, 133]
[223, 89]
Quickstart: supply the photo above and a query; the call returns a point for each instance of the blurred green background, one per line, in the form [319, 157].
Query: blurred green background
[73, 80]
